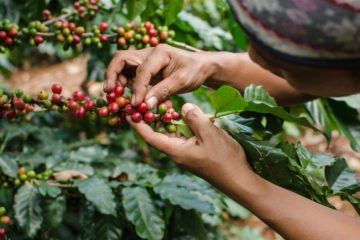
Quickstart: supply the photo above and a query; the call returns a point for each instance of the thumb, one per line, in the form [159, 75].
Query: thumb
[161, 92]
[197, 121]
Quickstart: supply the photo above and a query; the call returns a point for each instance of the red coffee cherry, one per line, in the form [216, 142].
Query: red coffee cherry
[72, 105]
[2, 233]
[129, 109]
[175, 116]
[3, 35]
[56, 88]
[121, 101]
[39, 39]
[142, 108]
[167, 117]
[111, 97]
[114, 107]
[13, 32]
[147, 25]
[8, 41]
[89, 104]
[78, 96]
[46, 14]
[19, 103]
[72, 26]
[56, 98]
[80, 112]
[152, 32]
[76, 39]
[10, 114]
[149, 117]
[136, 117]
[103, 38]
[119, 90]
[103, 27]
[76, 5]
[154, 41]
[104, 112]
[164, 35]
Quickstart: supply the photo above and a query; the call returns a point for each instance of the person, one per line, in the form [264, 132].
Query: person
[299, 50]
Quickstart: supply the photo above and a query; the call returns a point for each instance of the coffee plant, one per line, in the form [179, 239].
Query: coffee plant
[70, 166]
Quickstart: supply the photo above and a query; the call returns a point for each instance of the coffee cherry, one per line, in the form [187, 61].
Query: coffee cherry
[76, 39]
[13, 32]
[162, 108]
[8, 41]
[46, 14]
[76, 5]
[56, 88]
[111, 97]
[92, 116]
[103, 38]
[47, 104]
[154, 41]
[121, 31]
[149, 117]
[72, 105]
[147, 25]
[104, 112]
[2, 233]
[136, 117]
[103, 27]
[78, 96]
[58, 24]
[19, 103]
[121, 101]
[146, 39]
[122, 41]
[28, 108]
[164, 35]
[71, 26]
[2, 211]
[142, 108]
[89, 104]
[113, 121]
[79, 30]
[42, 95]
[152, 32]
[5, 220]
[171, 128]
[129, 109]
[175, 116]
[56, 98]
[39, 39]
[114, 107]
[119, 90]
[100, 102]
[31, 174]
[22, 170]
[3, 35]
[128, 35]
[167, 117]
[27, 98]
[80, 112]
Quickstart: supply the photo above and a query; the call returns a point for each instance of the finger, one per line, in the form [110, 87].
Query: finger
[153, 64]
[122, 79]
[197, 121]
[160, 141]
[115, 67]
[162, 91]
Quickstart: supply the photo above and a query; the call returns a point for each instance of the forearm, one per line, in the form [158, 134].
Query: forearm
[291, 215]
[239, 71]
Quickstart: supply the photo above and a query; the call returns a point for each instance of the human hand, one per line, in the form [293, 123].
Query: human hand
[211, 154]
[179, 71]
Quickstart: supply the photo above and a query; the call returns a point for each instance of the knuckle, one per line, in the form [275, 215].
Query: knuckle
[161, 47]
[164, 91]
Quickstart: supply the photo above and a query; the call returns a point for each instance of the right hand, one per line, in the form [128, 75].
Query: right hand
[179, 72]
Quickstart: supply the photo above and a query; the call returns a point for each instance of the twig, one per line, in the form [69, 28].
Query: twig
[58, 18]
[185, 46]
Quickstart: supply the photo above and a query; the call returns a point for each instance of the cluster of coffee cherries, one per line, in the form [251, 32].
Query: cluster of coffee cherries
[9, 33]
[142, 36]
[25, 176]
[5, 220]
[112, 110]
[68, 32]
[32, 33]
[86, 8]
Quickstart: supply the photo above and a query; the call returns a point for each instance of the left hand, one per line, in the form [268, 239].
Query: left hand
[211, 154]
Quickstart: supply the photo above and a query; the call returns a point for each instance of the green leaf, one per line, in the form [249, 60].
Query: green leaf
[235, 209]
[189, 223]
[135, 7]
[28, 210]
[89, 154]
[258, 94]
[340, 175]
[54, 211]
[8, 166]
[98, 191]
[142, 212]
[179, 194]
[352, 101]
[227, 100]
[107, 227]
[183, 128]
[172, 9]
[48, 190]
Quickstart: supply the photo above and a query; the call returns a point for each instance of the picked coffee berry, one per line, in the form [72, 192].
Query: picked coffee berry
[111, 97]
[142, 108]
[119, 90]
[149, 117]
[2, 233]
[136, 117]
[103, 112]
[167, 117]
[114, 107]
[80, 112]
[89, 104]
[72, 105]
[56, 98]
[19, 103]
[79, 96]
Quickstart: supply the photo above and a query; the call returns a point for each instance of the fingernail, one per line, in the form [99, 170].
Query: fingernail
[187, 108]
[152, 102]
[105, 85]
[133, 99]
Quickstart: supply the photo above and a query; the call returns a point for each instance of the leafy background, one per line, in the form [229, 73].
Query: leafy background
[132, 190]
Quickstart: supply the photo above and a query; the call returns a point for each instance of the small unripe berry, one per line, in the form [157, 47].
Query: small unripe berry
[47, 104]
[171, 128]
[162, 108]
[56, 98]
[2, 211]
[89, 104]
[72, 105]
[80, 112]
[149, 117]
[114, 107]
[111, 97]
[104, 112]
[42, 95]
[79, 96]
[119, 90]
[121, 31]
[58, 24]
[56, 88]
[136, 117]
[31, 174]
[100, 102]
[167, 117]
[19, 103]
[142, 108]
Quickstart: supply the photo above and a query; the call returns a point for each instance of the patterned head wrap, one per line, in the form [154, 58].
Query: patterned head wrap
[322, 33]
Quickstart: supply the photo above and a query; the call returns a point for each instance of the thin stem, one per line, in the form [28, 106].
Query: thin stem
[64, 16]
[185, 46]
